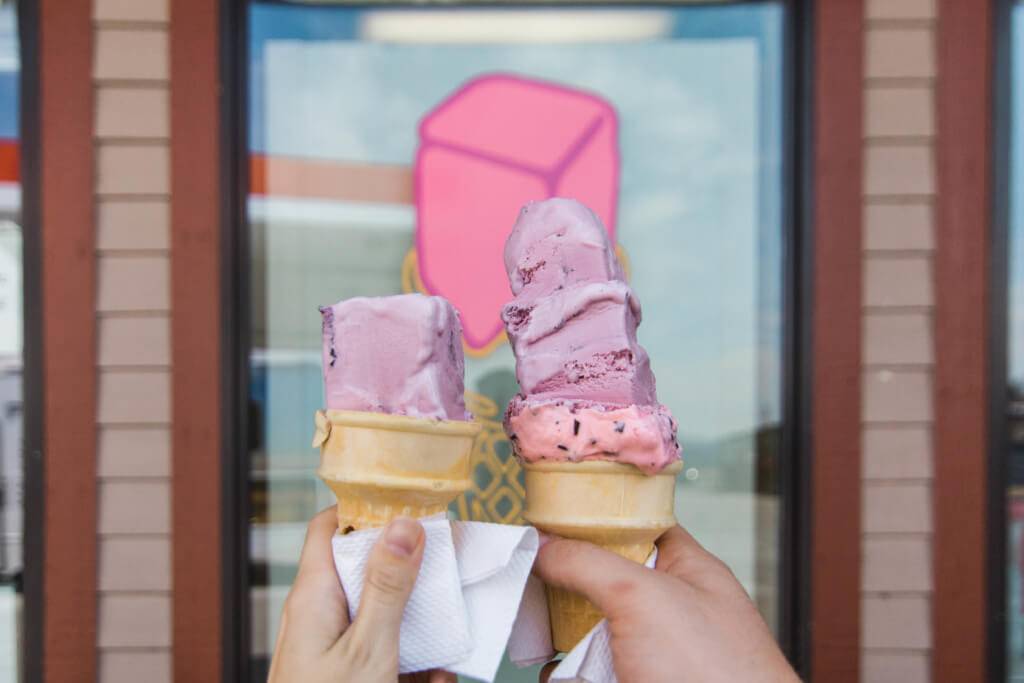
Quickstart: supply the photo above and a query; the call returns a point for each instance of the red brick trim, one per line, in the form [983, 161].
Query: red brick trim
[836, 331]
[68, 237]
[963, 108]
[196, 341]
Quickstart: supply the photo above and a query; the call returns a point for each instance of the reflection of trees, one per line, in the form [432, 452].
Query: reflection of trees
[1015, 431]
[1015, 412]
[745, 462]
[767, 464]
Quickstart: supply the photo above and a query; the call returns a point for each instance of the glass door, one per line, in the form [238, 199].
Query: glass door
[1010, 386]
[344, 102]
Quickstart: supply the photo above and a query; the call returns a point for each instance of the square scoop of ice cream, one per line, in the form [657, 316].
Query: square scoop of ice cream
[400, 355]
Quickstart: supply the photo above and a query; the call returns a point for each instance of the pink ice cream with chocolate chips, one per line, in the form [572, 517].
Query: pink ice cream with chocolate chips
[587, 391]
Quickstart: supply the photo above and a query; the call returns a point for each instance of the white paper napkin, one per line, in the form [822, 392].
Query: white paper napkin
[530, 643]
[467, 595]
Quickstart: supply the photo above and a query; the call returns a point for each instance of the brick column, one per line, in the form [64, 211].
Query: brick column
[899, 193]
[131, 79]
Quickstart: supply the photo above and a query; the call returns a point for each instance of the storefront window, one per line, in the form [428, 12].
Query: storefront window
[11, 471]
[344, 104]
[1014, 404]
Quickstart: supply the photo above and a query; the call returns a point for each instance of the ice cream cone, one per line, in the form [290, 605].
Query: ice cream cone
[384, 466]
[613, 505]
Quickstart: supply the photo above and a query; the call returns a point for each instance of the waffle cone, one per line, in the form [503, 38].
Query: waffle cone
[613, 505]
[385, 466]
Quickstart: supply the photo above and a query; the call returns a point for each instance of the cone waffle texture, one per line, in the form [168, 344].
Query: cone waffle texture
[613, 505]
[384, 466]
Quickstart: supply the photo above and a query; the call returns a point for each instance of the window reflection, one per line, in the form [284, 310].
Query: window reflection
[337, 208]
[11, 473]
[1015, 362]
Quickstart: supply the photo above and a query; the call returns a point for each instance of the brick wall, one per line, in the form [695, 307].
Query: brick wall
[130, 75]
[899, 189]
[131, 79]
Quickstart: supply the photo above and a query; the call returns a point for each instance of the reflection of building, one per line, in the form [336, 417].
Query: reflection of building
[1015, 531]
[11, 468]
[11, 478]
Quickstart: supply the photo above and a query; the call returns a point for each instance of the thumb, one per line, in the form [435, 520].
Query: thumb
[390, 576]
[606, 579]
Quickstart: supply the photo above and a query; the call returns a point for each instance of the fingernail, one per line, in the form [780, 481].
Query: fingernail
[544, 539]
[402, 536]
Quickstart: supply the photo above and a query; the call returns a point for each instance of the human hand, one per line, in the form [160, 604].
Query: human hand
[316, 643]
[690, 618]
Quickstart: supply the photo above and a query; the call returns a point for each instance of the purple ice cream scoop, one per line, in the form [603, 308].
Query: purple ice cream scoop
[573, 319]
[400, 355]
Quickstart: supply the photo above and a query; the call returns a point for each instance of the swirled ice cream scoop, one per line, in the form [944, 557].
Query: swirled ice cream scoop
[572, 324]
[555, 243]
[400, 355]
